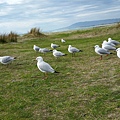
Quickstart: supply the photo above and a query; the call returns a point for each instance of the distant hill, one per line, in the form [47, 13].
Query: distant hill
[88, 24]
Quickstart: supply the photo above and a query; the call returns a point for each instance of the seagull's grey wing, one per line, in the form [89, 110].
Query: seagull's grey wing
[109, 47]
[111, 44]
[7, 59]
[115, 42]
[73, 49]
[102, 51]
[58, 53]
[54, 46]
[46, 67]
[37, 48]
[46, 50]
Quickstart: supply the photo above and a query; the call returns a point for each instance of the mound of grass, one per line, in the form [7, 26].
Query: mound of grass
[35, 32]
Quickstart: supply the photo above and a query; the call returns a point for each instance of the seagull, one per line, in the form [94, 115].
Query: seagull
[108, 43]
[108, 47]
[101, 51]
[36, 48]
[6, 59]
[44, 50]
[63, 41]
[44, 66]
[113, 41]
[118, 52]
[73, 50]
[58, 53]
[54, 46]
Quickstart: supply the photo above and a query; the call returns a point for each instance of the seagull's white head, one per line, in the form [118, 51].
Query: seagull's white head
[96, 46]
[40, 59]
[109, 39]
[104, 41]
[54, 50]
[70, 46]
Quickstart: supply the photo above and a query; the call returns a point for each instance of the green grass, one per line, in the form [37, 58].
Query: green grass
[86, 88]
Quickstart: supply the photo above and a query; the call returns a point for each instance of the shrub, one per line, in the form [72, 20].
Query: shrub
[35, 32]
[3, 38]
[6, 38]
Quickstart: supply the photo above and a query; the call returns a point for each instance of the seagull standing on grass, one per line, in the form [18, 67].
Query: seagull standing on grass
[118, 52]
[6, 59]
[101, 51]
[58, 53]
[36, 48]
[73, 50]
[63, 41]
[54, 46]
[44, 50]
[44, 66]
[108, 47]
[113, 41]
[108, 43]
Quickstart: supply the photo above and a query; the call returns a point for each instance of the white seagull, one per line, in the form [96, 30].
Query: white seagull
[101, 51]
[58, 53]
[44, 66]
[118, 52]
[113, 41]
[36, 48]
[6, 59]
[54, 46]
[44, 50]
[73, 50]
[108, 43]
[63, 41]
[108, 47]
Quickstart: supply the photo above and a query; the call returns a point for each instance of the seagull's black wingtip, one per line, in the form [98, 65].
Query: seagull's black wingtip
[56, 72]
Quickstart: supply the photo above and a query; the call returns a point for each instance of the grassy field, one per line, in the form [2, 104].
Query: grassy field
[86, 88]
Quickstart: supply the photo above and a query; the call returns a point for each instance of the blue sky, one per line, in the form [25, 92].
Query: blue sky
[21, 15]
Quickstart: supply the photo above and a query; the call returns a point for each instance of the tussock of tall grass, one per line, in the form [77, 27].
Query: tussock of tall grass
[35, 32]
[7, 38]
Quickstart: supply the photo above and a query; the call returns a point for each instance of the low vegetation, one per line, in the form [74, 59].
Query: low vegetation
[8, 38]
[86, 88]
[35, 32]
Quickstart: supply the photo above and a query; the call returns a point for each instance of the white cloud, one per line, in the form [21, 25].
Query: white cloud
[11, 2]
[5, 11]
[99, 12]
